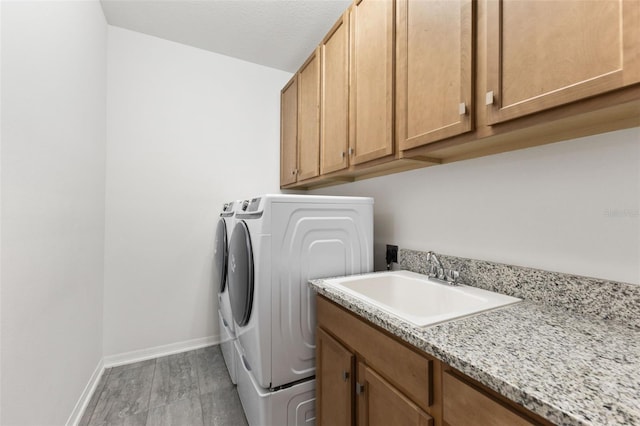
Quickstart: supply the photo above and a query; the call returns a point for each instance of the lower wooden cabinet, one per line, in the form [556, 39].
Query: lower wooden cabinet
[340, 392]
[465, 405]
[367, 377]
[335, 385]
[381, 404]
[393, 384]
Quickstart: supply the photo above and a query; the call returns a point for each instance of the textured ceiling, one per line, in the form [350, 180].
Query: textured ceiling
[276, 33]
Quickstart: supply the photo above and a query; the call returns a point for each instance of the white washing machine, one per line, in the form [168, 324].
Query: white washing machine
[279, 242]
[220, 272]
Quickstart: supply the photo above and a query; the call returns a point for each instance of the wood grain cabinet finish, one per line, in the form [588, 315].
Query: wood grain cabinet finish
[300, 124]
[394, 383]
[381, 404]
[371, 80]
[399, 383]
[402, 84]
[434, 62]
[335, 384]
[542, 54]
[465, 405]
[309, 118]
[406, 369]
[334, 105]
[289, 132]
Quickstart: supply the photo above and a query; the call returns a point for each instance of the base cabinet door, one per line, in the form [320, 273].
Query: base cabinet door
[465, 405]
[381, 404]
[334, 382]
[542, 54]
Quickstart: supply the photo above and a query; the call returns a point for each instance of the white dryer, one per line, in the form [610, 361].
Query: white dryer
[279, 242]
[220, 272]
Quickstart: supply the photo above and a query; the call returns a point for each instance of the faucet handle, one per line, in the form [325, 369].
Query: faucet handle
[451, 275]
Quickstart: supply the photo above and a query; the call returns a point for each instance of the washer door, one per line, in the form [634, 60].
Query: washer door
[220, 256]
[241, 273]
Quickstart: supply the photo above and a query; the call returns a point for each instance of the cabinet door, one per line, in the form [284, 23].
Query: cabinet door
[379, 403]
[334, 381]
[465, 405]
[371, 74]
[541, 54]
[433, 70]
[289, 132]
[334, 51]
[309, 118]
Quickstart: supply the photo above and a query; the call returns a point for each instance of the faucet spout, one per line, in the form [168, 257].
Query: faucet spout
[434, 266]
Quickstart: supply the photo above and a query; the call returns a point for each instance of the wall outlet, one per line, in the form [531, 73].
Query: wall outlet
[392, 255]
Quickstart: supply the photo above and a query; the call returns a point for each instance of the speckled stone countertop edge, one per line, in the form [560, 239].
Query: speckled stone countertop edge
[411, 335]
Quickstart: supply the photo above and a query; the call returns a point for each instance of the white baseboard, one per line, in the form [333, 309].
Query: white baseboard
[88, 391]
[158, 351]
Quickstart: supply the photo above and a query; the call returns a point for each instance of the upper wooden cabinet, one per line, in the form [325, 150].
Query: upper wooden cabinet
[289, 132]
[541, 54]
[334, 117]
[309, 118]
[433, 70]
[402, 84]
[371, 76]
[300, 124]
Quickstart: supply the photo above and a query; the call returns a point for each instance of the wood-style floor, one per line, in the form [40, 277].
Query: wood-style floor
[186, 389]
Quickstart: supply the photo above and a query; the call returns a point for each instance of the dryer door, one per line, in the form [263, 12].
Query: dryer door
[241, 273]
[220, 256]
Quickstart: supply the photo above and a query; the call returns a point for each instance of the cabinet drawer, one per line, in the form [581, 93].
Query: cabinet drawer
[406, 369]
[465, 405]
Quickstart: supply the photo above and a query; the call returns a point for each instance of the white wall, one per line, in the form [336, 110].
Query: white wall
[568, 207]
[187, 130]
[53, 168]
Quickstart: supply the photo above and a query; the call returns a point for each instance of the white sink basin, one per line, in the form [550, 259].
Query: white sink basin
[418, 299]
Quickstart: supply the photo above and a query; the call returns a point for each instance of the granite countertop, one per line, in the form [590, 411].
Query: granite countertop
[570, 369]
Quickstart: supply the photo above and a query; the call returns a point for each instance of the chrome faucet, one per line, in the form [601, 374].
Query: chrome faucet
[434, 266]
[436, 271]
